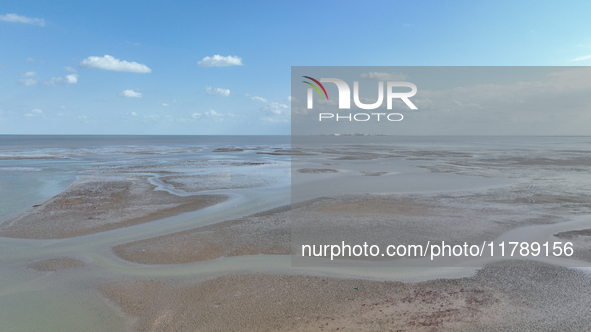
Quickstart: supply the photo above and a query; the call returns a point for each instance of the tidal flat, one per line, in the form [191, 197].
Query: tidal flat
[203, 234]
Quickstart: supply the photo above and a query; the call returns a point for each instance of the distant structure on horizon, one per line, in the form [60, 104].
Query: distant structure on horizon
[356, 134]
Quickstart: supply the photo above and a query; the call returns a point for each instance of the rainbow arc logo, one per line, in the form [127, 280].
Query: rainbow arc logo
[315, 87]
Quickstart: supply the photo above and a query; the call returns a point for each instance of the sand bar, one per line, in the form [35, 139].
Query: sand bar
[99, 205]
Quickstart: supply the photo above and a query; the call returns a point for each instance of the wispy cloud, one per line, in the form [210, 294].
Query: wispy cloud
[29, 74]
[581, 58]
[27, 82]
[213, 113]
[35, 113]
[163, 104]
[22, 19]
[274, 108]
[57, 81]
[209, 115]
[108, 62]
[130, 94]
[383, 76]
[259, 99]
[220, 61]
[217, 91]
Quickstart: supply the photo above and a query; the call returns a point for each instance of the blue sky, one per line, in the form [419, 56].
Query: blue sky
[55, 78]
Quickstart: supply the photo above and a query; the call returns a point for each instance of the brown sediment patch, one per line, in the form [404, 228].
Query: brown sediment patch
[229, 149]
[55, 264]
[176, 167]
[95, 206]
[375, 206]
[264, 234]
[317, 170]
[502, 298]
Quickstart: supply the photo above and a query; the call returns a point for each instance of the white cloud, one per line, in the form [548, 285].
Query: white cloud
[29, 74]
[217, 91]
[259, 99]
[383, 76]
[35, 113]
[581, 58]
[196, 115]
[108, 62]
[57, 81]
[163, 104]
[130, 94]
[72, 78]
[133, 114]
[27, 82]
[213, 113]
[70, 69]
[288, 98]
[220, 61]
[22, 19]
[275, 112]
[275, 108]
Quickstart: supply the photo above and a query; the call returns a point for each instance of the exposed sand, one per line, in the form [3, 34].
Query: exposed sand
[514, 296]
[180, 167]
[581, 240]
[55, 264]
[411, 219]
[263, 234]
[317, 170]
[392, 219]
[287, 152]
[218, 181]
[95, 206]
[228, 149]
[374, 173]
[375, 206]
